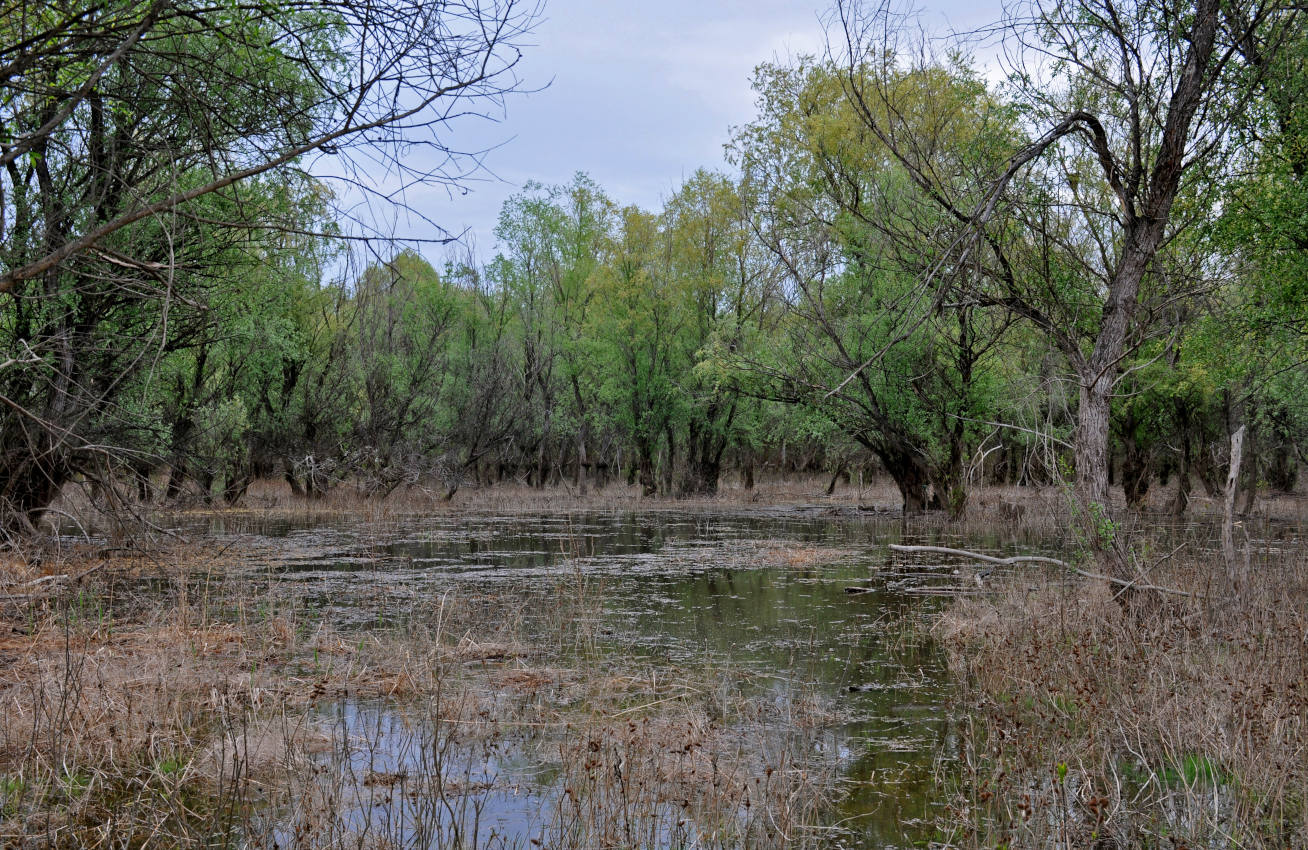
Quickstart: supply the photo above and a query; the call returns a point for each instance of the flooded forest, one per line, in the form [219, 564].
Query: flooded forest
[923, 473]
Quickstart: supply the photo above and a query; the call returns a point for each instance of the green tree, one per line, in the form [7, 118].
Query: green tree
[130, 134]
[724, 284]
[855, 231]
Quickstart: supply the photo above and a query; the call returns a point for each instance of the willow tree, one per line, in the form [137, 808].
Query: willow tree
[130, 133]
[855, 233]
[1128, 107]
[725, 283]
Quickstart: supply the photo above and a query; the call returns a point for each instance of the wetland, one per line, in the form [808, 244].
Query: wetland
[675, 676]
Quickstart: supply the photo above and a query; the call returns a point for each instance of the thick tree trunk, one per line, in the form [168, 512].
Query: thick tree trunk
[670, 470]
[909, 474]
[288, 472]
[703, 462]
[579, 480]
[702, 477]
[1091, 445]
[951, 490]
[176, 475]
[645, 470]
[1091, 452]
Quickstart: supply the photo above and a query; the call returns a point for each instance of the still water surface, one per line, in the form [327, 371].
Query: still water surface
[679, 587]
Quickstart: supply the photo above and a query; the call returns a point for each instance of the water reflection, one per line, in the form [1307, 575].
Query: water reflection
[678, 588]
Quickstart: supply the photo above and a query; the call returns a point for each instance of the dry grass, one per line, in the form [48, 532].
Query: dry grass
[161, 702]
[1167, 722]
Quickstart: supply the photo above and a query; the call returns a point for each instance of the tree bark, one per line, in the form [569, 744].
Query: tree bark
[297, 489]
[909, 474]
[1091, 443]
[1228, 518]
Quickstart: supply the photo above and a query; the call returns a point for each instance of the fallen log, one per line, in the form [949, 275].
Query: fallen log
[1038, 559]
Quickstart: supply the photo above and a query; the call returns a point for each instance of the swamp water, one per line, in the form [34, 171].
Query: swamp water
[783, 607]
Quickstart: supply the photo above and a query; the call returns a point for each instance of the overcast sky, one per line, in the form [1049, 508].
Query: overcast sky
[637, 93]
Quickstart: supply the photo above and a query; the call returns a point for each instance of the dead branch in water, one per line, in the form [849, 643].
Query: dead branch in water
[1037, 559]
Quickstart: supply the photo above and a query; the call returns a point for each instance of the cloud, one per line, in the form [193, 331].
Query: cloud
[639, 95]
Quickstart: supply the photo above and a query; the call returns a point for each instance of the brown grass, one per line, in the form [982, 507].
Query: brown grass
[1165, 722]
[159, 701]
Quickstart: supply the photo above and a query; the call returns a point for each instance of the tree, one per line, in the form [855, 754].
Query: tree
[1129, 106]
[636, 330]
[552, 240]
[724, 283]
[131, 134]
[854, 230]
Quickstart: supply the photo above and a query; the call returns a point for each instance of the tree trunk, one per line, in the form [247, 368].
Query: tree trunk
[1091, 446]
[297, 489]
[1091, 452]
[703, 462]
[237, 487]
[831, 488]
[1249, 480]
[1228, 517]
[645, 469]
[951, 490]
[579, 479]
[909, 474]
[144, 490]
[670, 470]
[1181, 500]
[1282, 472]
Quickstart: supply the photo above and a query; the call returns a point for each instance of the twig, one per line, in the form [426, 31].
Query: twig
[1038, 559]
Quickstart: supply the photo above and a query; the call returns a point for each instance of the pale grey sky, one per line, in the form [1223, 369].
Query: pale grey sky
[638, 95]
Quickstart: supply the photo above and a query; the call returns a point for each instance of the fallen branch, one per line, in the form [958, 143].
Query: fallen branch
[55, 578]
[1037, 559]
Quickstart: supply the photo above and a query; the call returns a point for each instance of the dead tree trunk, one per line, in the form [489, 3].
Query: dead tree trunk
[1228, 517]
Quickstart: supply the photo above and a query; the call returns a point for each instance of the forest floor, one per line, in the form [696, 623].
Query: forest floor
[155, 697]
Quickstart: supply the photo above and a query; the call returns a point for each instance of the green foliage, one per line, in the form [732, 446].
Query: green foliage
[812, 311]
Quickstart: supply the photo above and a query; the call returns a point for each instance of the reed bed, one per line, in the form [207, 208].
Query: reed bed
[1169, 721]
